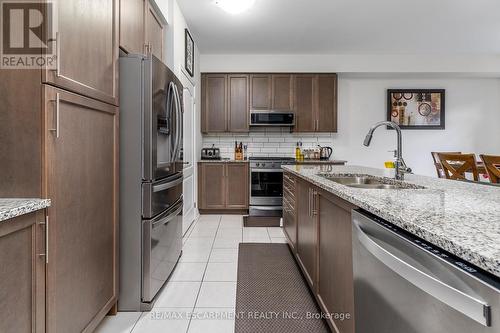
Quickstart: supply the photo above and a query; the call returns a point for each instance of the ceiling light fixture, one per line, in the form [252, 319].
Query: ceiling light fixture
[235, 6]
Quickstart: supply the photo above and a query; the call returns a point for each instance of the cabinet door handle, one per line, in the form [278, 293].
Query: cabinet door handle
[46, 254]
[309, 203]
[56, 129]
[57, 41]
[314, 196]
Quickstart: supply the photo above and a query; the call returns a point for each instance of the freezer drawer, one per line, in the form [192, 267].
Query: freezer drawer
[404, 284]
[160, 196]
[162, 244]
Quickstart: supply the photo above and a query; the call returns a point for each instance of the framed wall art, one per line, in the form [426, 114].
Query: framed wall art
[416, 108]
[189, 53]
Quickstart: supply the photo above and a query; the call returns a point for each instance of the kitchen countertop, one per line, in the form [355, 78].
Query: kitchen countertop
[10, 208]
[223, 161]
[459, 217]
[338, 162]
[329, 162]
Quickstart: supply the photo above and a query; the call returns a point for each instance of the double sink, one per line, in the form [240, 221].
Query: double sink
[369, 182]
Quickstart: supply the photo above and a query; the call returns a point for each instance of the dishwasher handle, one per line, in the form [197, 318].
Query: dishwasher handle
[454, 298]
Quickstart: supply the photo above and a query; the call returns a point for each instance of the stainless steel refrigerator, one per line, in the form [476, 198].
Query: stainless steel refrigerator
[151, 162]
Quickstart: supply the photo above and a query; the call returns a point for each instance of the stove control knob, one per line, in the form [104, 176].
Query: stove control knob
[257, 164]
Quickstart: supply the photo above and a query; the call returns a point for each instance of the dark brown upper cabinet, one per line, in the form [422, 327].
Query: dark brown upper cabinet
[260, 91]
[238, 100]
[227, 100]
[86, 44]
[214, 103]
[153, 27]
[225, 103]
[327, 103]
[282, 92]
[305, 90]
[315, 102]
[132, 25]
[141, 28]
[271, 92]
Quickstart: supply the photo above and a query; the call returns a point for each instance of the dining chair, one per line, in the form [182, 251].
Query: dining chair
[455, 166]
[492, 166]
[437, 163]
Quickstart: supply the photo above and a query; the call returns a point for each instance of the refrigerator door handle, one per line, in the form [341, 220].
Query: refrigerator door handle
[178, 121]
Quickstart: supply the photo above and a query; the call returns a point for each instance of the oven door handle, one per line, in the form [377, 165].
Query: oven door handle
[267, 170]
[162, 219]
[267, 207]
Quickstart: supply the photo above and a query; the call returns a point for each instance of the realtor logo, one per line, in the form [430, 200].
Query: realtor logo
[27, 30]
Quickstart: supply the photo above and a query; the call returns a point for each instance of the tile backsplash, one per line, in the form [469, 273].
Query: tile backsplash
[267, 141]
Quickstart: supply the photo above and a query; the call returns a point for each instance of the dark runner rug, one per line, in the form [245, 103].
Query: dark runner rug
[272, 296]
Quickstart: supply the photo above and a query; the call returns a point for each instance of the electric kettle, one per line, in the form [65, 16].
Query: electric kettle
[325, 153]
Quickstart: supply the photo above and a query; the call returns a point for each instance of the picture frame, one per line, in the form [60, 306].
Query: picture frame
[416, 108]
[189, 53]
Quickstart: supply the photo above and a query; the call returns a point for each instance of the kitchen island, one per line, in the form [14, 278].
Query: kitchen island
[23, 258]
[461, 218]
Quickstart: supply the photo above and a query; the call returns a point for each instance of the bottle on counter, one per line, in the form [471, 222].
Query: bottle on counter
[245, 152]
[301, 157]
[235, 150]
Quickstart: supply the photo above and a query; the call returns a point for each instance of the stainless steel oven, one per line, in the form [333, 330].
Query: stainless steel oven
[266, 186]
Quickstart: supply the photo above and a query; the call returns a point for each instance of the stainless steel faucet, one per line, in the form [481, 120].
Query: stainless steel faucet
[401, 167]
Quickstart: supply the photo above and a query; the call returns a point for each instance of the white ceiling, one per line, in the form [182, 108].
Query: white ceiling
[347, 26]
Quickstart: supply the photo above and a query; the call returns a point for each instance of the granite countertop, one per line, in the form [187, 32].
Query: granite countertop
[296, 162]
[224, 161]
[459, 217]
[10, 208]
[321, 162]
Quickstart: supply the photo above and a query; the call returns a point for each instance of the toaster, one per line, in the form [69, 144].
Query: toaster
[210, 153]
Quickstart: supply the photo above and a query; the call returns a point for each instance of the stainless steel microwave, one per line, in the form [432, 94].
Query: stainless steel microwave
[271, 118]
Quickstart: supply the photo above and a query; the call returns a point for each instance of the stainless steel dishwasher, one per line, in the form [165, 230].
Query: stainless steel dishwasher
[405, 285]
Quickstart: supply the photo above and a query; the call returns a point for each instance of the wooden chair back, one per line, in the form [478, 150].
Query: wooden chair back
[455, 166]
[492, 166]
[437, 163]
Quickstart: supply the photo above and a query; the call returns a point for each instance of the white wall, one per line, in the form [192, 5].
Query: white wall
[472, 100]
[459, 65]
[472, 118]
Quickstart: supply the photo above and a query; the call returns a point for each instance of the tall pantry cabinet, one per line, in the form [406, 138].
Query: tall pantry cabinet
[59, 140]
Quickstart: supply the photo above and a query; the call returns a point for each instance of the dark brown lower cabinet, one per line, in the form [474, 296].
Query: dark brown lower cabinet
[81, 161]
[289, 210]
[307, 232]
[211, 189]
[335, 288]
[324, 252]
[237, 180]
[22, 274]
[223, 186]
